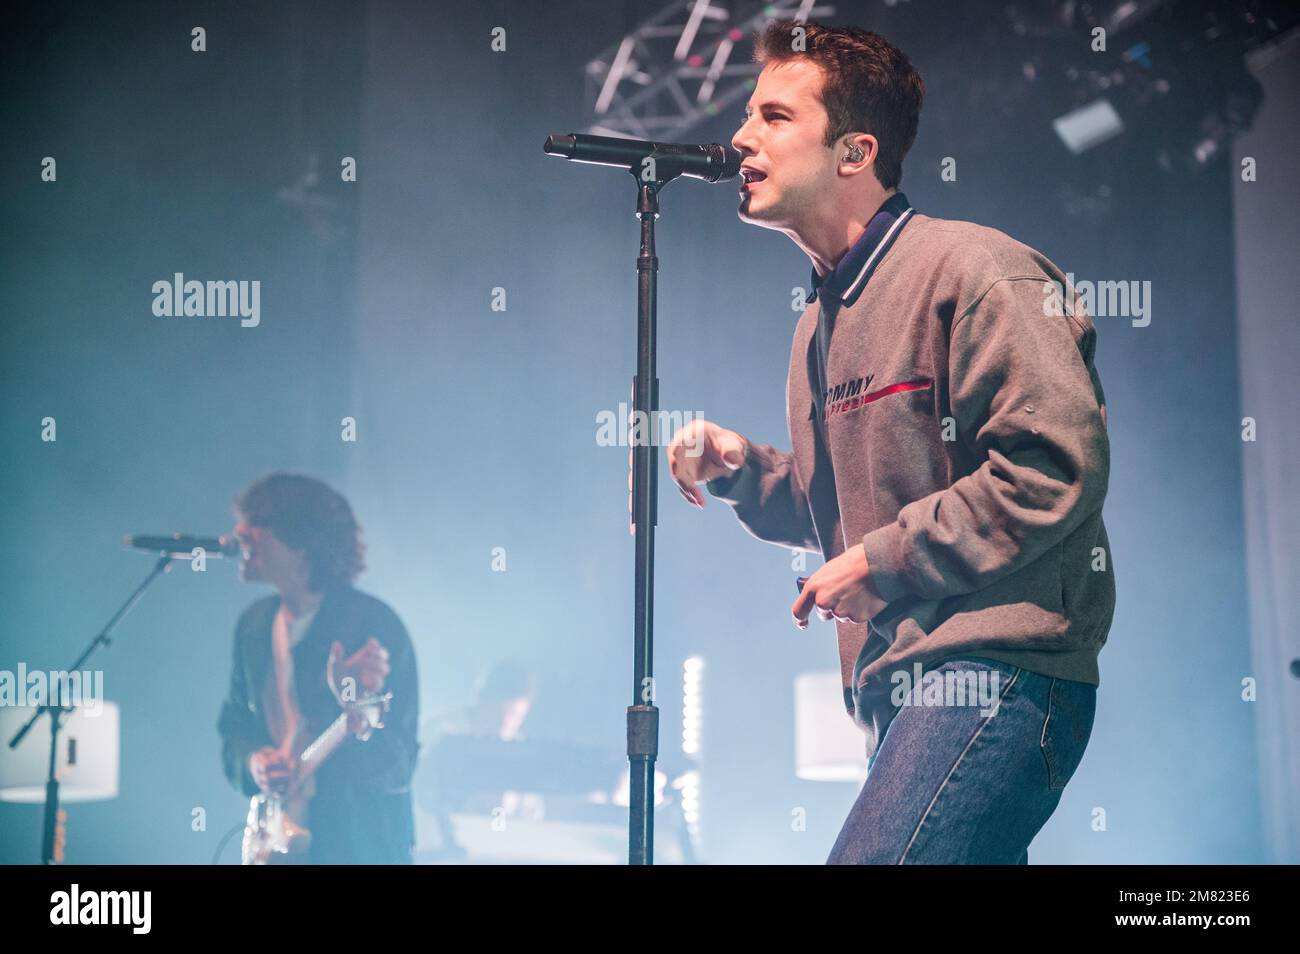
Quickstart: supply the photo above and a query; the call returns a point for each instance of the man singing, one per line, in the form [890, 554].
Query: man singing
[301, 537]
[950, 460]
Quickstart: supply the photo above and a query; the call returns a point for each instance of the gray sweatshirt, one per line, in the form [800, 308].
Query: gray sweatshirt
[963, 444]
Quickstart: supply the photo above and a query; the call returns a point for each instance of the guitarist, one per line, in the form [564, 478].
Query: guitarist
[300, 536]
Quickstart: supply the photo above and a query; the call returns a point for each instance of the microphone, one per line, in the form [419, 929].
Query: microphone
[711, 162]
[181, 546]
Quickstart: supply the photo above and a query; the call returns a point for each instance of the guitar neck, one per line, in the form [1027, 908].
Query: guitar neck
[322, 747]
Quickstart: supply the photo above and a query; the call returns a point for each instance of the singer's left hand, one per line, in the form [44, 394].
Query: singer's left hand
[359, 725]
[841, 590]
[368, 667]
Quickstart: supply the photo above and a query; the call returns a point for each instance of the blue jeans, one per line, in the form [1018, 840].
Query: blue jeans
[959, 783]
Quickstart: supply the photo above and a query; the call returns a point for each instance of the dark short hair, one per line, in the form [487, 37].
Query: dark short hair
[308, 515]
[869, 85]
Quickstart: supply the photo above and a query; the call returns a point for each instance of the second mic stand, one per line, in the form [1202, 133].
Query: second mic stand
[56, 711]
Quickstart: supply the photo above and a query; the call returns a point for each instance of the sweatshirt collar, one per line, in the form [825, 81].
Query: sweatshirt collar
[850, 276]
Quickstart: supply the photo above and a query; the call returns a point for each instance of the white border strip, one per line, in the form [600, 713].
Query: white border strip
[884, 244]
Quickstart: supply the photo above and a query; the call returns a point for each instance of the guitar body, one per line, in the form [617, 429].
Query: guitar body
[272, 832]
[271, 836]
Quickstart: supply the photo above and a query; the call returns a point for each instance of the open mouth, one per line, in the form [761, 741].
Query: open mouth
[750, 176]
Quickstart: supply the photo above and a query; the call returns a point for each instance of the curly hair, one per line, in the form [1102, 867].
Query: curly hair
[869, 85]
[308, 515]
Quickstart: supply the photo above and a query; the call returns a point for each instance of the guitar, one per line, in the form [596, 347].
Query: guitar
[271, 834]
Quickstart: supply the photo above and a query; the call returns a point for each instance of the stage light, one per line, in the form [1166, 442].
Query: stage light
[829, 747]
[692, 705]
[1088, 126]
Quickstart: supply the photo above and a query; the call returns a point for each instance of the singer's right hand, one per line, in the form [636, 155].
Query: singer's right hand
[702, 451]
[271, 769]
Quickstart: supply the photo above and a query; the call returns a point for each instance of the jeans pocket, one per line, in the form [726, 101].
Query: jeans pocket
[1067, 726]
[975, 681]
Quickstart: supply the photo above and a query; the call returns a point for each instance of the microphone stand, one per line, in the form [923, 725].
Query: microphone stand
[56, 710]
[643, 715]
[652, 172]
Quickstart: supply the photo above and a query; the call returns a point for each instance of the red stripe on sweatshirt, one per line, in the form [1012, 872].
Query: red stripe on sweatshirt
[919, 384]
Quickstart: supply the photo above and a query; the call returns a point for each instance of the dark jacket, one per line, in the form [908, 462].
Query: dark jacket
[361, 812]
